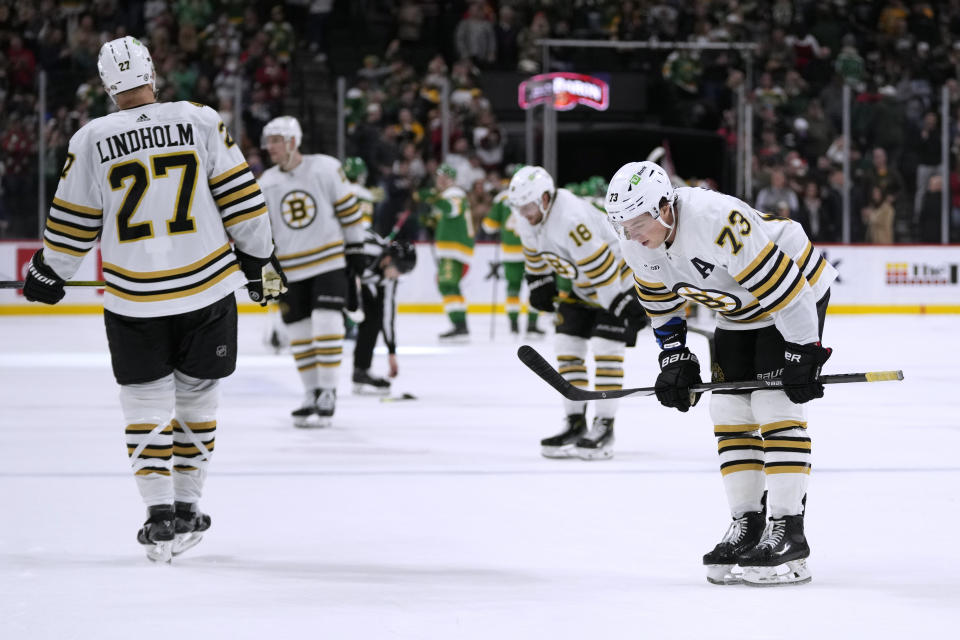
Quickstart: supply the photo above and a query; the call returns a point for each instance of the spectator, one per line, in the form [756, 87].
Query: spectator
[281, 40]
[878, 217]
[475, 38]
[929, 157]
[507, 34]
[931, 211]
[778, 198]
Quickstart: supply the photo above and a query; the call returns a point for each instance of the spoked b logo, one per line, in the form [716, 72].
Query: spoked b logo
[298, 209]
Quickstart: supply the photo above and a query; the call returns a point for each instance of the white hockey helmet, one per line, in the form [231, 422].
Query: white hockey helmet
[529, 184]
[125, 64]
[637, 188]
[286, 126]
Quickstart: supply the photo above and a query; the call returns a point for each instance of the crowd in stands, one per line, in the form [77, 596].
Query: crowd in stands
[894, 55]
[206, 51]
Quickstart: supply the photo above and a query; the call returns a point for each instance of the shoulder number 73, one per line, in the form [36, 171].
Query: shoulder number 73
[742, 226]
[181, 222]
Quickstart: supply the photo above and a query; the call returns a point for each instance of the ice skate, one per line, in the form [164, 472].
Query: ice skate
[157, 533]
[780, 558]
[189, 526]
[458, 334]
[597, 444]
[742, 535]
[564, 445]
[326, 403]
[535, 333]
[514, 327]
[365, 384]
[308, 415]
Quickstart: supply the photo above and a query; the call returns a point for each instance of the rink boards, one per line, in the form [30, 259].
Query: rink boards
[873, 279]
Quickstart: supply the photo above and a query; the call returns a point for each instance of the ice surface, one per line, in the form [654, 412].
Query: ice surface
[437, 518]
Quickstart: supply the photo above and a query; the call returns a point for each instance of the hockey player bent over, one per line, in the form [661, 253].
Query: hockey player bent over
[770, 287]
[319, 237]
[165, 189]
[454, 245]
[565, 236]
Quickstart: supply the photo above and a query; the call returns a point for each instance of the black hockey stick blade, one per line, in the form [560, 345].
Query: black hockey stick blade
[536, 363]
[18, 284]
[400, 398]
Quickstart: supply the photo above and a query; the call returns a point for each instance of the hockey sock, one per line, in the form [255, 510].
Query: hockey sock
[327, 346]
[147, 409]
[571, 363]
[449, 273]
[741, 452]
[786, 447]
[301, 346]
[608, 374]
[194, 435]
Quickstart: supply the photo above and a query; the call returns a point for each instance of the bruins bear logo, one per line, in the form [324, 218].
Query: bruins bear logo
[298, 209]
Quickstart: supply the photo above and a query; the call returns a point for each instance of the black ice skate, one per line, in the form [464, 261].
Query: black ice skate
[535, 333]
[189, 526]
[365, 384]
[780, 556]
[310, 415]
[742, 535]
[597, 444]
[564, 445]
[326, 403]
[157, 533]
[459, 333]
[514, 326]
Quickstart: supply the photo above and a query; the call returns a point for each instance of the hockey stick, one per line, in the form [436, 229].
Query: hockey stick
[18, 284]
[536, 363]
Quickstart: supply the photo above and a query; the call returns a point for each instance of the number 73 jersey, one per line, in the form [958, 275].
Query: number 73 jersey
[752, 268]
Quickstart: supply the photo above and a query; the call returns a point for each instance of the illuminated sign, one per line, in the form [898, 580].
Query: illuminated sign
[565, 90]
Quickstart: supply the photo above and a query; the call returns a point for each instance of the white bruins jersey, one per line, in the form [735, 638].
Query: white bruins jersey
[575, 242]
[313, 212]
[162, 185]
[752, 268]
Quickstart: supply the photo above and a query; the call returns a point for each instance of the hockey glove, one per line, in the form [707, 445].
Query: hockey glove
[356, 260]
[42, 283]
[626, 307]
[543, 289]
[265, 278]
[679, 370]
[801, 371]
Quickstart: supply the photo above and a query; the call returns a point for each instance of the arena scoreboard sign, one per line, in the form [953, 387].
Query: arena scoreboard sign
[565, 90]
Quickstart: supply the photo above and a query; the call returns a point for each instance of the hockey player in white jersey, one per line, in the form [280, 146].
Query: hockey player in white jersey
[564, 236]
[770, 287]
[318, 231]
[165, 189]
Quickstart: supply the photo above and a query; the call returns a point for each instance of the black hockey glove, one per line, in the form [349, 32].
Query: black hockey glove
[543, 289]
[801, 371]
[265, 278]
[679, 370]
[626, 307]
[42, 283]
[356, 259]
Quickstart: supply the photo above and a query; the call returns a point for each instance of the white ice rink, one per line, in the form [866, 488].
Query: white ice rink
[437, 518]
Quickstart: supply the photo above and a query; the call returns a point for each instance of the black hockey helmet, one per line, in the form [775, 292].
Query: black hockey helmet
[403, 255]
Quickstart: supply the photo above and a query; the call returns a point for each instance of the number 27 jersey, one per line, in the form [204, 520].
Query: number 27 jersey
[161, 186]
